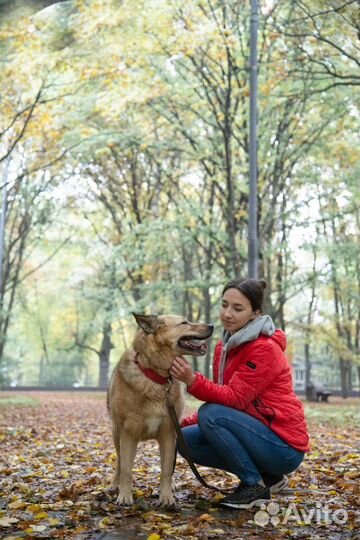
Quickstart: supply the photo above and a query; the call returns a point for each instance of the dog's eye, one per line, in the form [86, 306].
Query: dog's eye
[184, 322]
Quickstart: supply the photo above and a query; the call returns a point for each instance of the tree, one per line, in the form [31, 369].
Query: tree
[344, 279]
[28, 213]
[86, 331]
[325, 37]
[30, 154]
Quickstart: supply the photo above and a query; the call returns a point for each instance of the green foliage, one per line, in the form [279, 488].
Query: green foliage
[64, 370]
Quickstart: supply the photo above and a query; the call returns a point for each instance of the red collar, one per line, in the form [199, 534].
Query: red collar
[150, 373]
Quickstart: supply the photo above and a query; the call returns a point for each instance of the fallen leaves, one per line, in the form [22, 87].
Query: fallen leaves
[7, 521]
[57, 459]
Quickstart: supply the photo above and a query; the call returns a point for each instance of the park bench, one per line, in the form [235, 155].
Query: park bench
[317, 392]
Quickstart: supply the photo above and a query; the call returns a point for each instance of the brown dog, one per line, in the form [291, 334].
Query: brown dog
[137, 395]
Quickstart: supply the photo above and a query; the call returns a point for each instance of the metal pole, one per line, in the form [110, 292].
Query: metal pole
[2, 224]
[253, 243]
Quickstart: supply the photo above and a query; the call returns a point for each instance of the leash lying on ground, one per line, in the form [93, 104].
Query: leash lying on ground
[184, 448]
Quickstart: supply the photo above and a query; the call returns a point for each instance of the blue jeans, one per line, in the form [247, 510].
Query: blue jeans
[234, 441]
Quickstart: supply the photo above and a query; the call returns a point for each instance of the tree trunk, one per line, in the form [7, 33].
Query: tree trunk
[310, 316]
[104, 357]
[307, 364]
[41, 371]
[344, 378]
[350, 376]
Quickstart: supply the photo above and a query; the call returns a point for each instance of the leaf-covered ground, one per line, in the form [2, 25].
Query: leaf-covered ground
[57, 458]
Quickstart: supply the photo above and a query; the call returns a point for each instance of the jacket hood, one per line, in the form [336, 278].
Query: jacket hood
[280, 338]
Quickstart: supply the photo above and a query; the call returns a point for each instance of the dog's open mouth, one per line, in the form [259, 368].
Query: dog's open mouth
[193, 344]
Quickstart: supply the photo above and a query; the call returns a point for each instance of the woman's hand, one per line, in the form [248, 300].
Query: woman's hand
[182, 371]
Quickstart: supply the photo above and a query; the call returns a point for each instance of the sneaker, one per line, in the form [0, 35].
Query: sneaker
[274, 482]
[246, 497]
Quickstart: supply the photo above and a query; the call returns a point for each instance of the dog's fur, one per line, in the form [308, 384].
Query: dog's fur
[137, 405]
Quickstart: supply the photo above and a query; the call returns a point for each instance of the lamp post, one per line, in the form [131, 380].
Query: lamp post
[253, 243]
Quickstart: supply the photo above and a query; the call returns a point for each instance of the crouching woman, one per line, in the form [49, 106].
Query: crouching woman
[252, 423]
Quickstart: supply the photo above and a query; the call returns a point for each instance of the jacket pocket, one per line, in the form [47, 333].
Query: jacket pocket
[265, 411]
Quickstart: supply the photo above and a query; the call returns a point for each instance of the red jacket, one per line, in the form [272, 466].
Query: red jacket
[257, 380]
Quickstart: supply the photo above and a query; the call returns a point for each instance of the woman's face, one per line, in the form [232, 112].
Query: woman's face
[236, 311]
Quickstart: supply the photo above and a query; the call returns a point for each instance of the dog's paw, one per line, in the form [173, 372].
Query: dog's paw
[115, 481]
[166, 500]
[124, 499]
[111, 489]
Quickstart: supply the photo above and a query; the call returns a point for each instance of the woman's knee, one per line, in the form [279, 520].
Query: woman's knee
[212, 413]
[207, 414]
[294, 461]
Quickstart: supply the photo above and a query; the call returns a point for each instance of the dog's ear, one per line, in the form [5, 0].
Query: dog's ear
[148, 323]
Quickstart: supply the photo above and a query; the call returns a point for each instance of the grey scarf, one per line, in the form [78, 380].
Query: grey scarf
[261, 325]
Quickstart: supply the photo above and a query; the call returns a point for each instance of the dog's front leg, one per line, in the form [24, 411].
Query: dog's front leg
[167, 444]
[116, 438]
[128, 446]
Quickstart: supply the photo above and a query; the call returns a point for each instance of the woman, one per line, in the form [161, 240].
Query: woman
[252, 423]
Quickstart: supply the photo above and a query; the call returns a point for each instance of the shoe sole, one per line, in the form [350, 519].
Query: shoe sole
[245, 506]
[276, 488]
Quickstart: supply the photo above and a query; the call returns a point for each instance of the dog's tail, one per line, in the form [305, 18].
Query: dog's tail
[108, 396]
[108, 400]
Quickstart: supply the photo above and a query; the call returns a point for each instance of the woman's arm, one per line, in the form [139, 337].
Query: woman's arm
[248, 381]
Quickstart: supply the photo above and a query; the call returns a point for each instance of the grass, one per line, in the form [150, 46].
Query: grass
[336, 412]
[18, 401]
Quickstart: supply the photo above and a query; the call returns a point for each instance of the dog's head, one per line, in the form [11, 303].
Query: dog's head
[173, 335]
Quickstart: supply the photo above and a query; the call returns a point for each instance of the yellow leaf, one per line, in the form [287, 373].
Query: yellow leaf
[17, 504]
[348, 457]
[34, 508]
[154, 536]
[53, 522]
[138, 493]
[91, 469]
[41, 515]
[104, 523]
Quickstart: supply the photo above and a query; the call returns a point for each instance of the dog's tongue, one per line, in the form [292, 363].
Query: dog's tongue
[194, 344]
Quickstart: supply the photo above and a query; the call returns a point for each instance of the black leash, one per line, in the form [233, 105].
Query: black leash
[184, 448]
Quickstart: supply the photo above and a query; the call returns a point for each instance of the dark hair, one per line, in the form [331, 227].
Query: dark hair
[253, 289]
